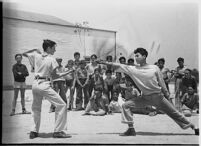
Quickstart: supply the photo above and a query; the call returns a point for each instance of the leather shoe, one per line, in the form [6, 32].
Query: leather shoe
[197, 131]
[129, 132]
[33, 135]
[61, 135]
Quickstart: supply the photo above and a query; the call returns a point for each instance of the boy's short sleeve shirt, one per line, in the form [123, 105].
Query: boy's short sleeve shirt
[44, 64]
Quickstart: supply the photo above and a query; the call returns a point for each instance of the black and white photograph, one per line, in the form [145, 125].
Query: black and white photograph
[100, 72]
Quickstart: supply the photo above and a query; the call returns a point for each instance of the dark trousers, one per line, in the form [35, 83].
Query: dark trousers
[79, 98]
[69, 84]
[109, 92]
[59, 87]
[157, 100]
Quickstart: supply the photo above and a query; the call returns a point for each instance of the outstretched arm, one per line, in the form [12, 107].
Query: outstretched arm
[58, 75]
[108, 63]
[30, 51]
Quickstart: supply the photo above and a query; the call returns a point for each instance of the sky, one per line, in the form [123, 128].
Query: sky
[93, 11]
[100, 13]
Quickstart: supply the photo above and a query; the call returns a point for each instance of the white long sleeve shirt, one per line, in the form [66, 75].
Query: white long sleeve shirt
[148, 78]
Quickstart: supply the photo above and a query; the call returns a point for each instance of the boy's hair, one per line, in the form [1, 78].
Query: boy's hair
[189, 70]
[59, 59]
[122, 58]
[109, 57]
[118, 73]
[115, 91]
[190, 87]
[76, 53]
[97, 69]
[130, 60]
[48, 43]
[94, 55]
[70, 61]
[180, 59]
[108, 71]
[142, 51]
[161, 59]
[16, 55]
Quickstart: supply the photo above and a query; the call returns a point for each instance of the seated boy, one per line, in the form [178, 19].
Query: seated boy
[114, 106]
[190, 102]
[98, 103]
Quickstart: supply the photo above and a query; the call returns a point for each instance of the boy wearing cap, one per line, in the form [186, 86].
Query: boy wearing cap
[20, 73]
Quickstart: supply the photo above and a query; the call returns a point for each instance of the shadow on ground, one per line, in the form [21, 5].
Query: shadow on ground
[153, 134]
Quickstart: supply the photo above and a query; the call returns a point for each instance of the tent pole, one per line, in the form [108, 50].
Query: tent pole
[115, 47]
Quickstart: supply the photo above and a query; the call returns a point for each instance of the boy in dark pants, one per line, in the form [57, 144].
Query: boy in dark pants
[149, 80]
[20, 73]
[82, 78]
[70, 83]
[59, 84]
[108, 84]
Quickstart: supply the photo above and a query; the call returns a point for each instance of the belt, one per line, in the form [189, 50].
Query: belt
[42, 78]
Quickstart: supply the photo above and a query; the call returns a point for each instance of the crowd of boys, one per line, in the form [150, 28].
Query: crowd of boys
[93, 82]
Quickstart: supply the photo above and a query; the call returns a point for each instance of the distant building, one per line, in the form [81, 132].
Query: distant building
[24, 31]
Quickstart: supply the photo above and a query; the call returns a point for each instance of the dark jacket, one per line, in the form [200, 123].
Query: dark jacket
[22, 69]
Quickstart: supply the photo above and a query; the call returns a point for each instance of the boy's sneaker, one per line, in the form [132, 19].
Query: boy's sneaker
[12, 113]
[24, 111]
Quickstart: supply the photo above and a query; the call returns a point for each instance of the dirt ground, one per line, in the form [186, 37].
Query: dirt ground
[159, 129]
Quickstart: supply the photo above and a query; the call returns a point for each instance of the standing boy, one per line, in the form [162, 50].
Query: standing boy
[165, 72]
[59, 84]
[82, 78]
[20, 73]
[70, 83]
[90, 68]
[45, 67]
[178, 79]
[108, 84]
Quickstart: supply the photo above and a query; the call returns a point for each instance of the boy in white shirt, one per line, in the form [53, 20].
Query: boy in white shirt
[148, 79]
